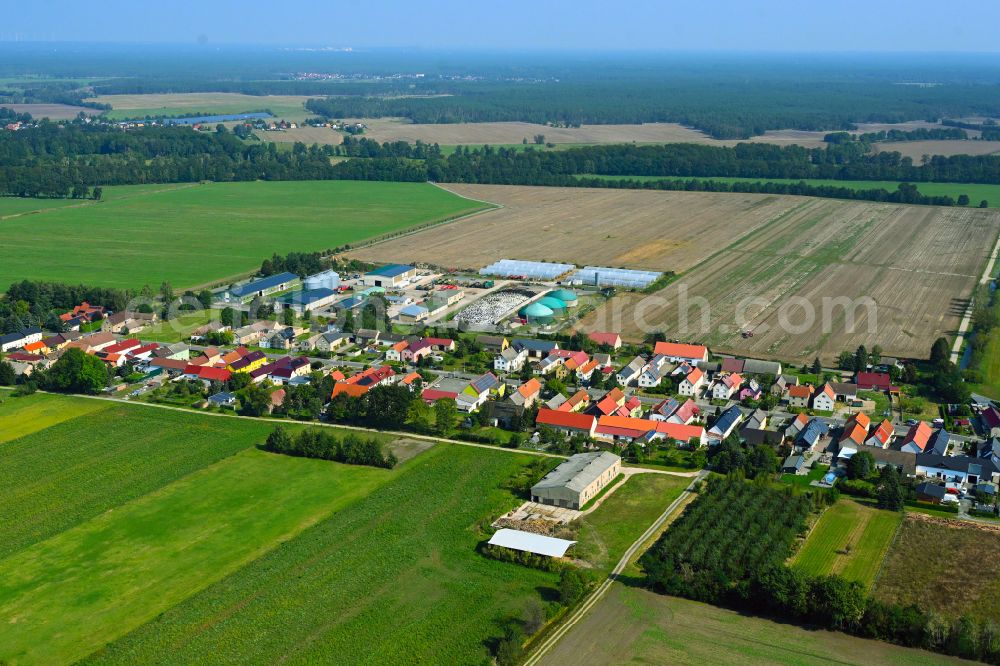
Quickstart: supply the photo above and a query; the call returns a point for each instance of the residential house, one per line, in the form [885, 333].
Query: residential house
[875, 381]
[93, 343]
[812, 434]
[757, 420]
[536, 348]
[395, 352]
[492, 343]
[577, 402]
[800, 396]
[930, 492]
[674, 411]
[478, 391]
[796, 426]
[689, 435]
[364, 337]
[957, 469]
[332, 340]
[20, 338]
[726, 386]
[845, 391]
[681, 353]
[882, 435]
[511, 359]
[631, 372]
[750, 391]
[526, 394]
[415, 351]
[825, 399]
[692, 383]
[610, 403]
[917, 438]
[223, 399]
[586, 371]
[782, 383]
[281, 339]
[794, 464]
[990, 450]
[938, 443]
[724, 425]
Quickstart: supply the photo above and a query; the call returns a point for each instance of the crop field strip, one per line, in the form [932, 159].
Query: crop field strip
[56, 478]
[850, 539]
[191, 235]
[632, 625]
[393, 578]
[287, 107]
[947, 565]
[28, 414]
[149, 554]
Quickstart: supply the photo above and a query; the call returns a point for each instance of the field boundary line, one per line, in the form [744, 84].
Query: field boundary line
[963, 326]
[581, 611]
[91, 202]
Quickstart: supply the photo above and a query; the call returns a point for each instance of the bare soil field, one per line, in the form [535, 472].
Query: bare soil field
[666, 231]
[515, 132]
[917, 149]
[631, 625]
[901, 273]
[53, 111]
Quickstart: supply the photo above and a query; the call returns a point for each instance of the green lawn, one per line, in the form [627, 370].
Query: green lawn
[72, 594]
[56, 478]
[191, 235]
[393, 578]
[977, 192]
[989, 366]
[814, 474]
[178, 328]
[850, 539]
[18, 206]
[31, 413]
[607, 533]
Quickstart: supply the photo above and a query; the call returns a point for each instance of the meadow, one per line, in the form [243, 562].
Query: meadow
[633, 625]
[945, 565]
[287, 107]
[392, 578]
[27, 414]
[850, 539]
[152, 553]
[192, 234]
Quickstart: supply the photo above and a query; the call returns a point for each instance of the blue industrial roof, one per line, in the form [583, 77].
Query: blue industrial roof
[351, 303]
[413, 310]
[391, 270]
[264, 283]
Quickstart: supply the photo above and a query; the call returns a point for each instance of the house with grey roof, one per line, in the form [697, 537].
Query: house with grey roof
[577, 480]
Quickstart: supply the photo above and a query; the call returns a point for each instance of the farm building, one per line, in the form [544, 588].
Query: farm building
[392, 275]
[306, 300]
[568, 422]
[530, 542]
[574, 482]
[681, 353]
[262, 287]
[325, 280]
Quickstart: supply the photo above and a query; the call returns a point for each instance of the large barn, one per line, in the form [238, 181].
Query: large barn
[576, 481]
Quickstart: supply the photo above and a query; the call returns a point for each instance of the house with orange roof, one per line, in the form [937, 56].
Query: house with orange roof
[577, 402]
[586, 371]
[613, 428]
[395, 352]
[825, 399]
[37, 347]
[411, 379]
[916, 438]
[678, 352]
[430, 396]
[800, 396]
[93, 343]
[854, 434]
[691, 384]
[610, 403]
[527, 393]
[350, 390]
[882, 435]
[797, 425]
[691, 435]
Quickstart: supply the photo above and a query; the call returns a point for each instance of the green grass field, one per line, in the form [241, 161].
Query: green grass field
[287, 107]
[18, 206]
[394, 578]
[150, 554]
[180, 327]
[634, 626]
[607, 533]
[27, 414]
[851, 540]
[56, 478]
[977, 192]
[192, 234]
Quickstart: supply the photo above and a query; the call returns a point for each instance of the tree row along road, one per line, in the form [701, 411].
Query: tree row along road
[395, 433]
[581, 611]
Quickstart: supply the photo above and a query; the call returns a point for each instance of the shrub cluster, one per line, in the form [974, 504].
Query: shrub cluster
[319, 443]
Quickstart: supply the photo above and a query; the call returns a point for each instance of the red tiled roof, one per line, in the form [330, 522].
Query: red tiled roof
[432, 395]
[919, 435]
[680, 431]
[352, 390]
[570, 420]
[801, 391]
[680, 350]
[610, 339]
[695, 376]
[214, 374]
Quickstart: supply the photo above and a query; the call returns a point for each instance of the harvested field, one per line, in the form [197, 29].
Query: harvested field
[962, 575]
[631, 625]
[53, 111]
[516, 132]
[905, 270]
[665, 231]
[917, 149]
[289, 107]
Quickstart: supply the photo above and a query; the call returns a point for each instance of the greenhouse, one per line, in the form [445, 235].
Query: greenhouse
[538, 270]
[603, 276]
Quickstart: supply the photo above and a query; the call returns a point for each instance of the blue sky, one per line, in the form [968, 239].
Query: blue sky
[766, 25]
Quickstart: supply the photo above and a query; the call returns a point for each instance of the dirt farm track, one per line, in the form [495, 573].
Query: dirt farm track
[759, 262]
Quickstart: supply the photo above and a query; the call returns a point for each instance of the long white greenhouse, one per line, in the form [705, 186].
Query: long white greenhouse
[603, 276]
[538, 270]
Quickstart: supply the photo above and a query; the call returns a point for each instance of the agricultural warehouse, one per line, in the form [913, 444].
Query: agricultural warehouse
[530, 542]
[310, 299]
[573, 483]
[392, 275]
[262, 287]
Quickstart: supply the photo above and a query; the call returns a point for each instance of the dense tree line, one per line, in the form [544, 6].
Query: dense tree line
[889, 136]
[35, 303]
[320, 443]
[729, 548]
